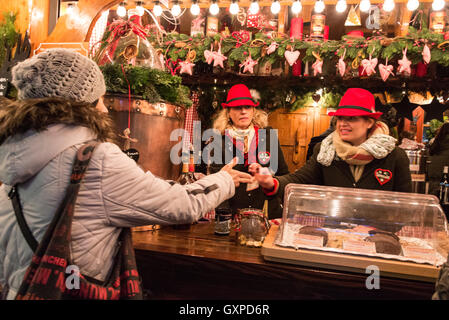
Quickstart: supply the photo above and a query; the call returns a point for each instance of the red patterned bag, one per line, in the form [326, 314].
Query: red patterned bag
[51, 274]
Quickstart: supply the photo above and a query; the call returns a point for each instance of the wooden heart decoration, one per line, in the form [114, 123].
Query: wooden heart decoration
[172, 65]
[291, 56]
[383, 175]
[385, 71]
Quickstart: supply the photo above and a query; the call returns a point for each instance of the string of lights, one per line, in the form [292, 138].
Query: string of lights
[176, 12]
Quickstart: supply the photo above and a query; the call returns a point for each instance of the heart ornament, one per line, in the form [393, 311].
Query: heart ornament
[291, 56]
[383, 176]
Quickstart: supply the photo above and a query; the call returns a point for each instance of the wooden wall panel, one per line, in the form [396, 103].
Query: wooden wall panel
[20, 7]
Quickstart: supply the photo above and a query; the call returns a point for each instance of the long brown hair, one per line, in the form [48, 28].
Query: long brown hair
[37, 114]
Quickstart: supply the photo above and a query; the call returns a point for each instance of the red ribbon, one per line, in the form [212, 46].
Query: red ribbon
[119, 28]
[241, 37]
[129, 98]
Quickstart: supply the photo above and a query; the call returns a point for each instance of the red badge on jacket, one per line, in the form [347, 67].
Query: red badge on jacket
[383, 175]
[264, 157]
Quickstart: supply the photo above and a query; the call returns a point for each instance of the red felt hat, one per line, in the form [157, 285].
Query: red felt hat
[357, 102]
[239, 95]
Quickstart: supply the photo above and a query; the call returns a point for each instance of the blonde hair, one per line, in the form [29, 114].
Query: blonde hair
[222, 120]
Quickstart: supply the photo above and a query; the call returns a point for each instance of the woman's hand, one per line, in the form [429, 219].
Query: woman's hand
[237, 176]
[262, 175]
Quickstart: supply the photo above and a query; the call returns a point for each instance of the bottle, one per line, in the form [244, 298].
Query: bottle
[192, 167]
[444, 186]
[184, 178]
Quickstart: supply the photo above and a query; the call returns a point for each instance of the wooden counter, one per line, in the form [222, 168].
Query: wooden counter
[196, 264]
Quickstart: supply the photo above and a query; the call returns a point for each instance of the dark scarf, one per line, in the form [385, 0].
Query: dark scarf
[18, 117]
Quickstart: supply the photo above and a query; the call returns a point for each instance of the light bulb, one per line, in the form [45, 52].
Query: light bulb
[140, 10]
[254, 7]
[195, 9]
[234, 8]
[175, 10]
[341, 6]
[121, 10]
[412, 5]
[388, 5]
[319, 6]
[296, 7]
[214, 8]
[275, 7]
[70, 8]
[365, 5]
[438, 5]
[157, 10]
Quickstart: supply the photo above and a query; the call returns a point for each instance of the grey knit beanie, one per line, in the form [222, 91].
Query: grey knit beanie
[60, 73]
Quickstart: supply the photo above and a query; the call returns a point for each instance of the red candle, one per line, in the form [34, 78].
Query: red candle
[326, 32]
[296, 68]
[296, 28]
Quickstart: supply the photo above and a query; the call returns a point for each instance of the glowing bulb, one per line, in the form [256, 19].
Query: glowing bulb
[195, 9]
[214, 8]
[234, 8]
[275, 7]
[388, 5]
[140, 10]
[157, 10]
[438, 5]
[121, 10]
[412, 5]
[254, 7]
[175, 10]
[70, 8]
[296, 7]
[319, 6]
[341, 6]
[365, 5]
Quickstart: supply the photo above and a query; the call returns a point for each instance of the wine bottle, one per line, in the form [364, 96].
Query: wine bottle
[192, 167]
[444, 186]
[184, 178]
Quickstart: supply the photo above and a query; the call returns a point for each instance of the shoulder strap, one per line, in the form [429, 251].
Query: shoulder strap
[30, 239]
[79, 168]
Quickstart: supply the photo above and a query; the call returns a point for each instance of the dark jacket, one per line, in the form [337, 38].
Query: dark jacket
[435, 168]
[338, 174]
[254, 198]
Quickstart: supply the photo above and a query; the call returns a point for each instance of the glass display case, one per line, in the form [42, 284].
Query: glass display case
[353, 228]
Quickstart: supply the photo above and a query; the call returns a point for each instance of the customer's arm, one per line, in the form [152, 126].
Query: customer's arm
[132, 197]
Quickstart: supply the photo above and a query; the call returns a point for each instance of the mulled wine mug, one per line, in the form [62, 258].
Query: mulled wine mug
[252, 227]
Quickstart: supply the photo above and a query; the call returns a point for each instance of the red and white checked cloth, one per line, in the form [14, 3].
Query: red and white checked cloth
[191, 115]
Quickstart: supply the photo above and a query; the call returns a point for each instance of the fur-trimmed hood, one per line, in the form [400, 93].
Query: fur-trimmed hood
[33, 132]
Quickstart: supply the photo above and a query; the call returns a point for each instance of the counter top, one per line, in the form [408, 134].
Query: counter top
[197, 264]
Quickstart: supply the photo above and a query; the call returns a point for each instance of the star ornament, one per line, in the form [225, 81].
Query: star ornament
[434, 110]
[405, 108]
[248, 65]
[186, 67]
[219, 58]
[404, 63]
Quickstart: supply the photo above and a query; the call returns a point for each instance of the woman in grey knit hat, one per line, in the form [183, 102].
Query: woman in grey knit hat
[60, 109]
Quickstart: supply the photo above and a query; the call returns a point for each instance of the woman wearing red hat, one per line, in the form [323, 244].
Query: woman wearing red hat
[358, 154]
[240, 124]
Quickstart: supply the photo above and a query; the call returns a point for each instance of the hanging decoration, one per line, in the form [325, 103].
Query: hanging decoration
[385, 70]
[404, 63]
[272, 47]
[434, 110]
[291, 56]
[317, 66]
[248, 64]
[369, 65]
[219, 57]
[405, 108]
[426, 54]
[353, 18]
[341, 65]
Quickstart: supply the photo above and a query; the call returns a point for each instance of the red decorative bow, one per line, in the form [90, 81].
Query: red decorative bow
[241, 37]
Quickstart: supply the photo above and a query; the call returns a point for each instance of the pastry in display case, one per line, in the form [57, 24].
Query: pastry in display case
[404, 234]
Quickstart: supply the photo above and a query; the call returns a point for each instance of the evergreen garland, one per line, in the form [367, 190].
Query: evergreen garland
[151, 84]
[8, 34]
